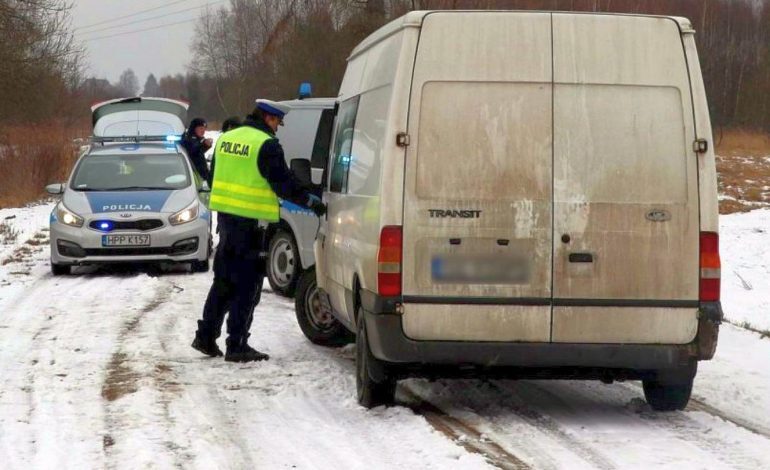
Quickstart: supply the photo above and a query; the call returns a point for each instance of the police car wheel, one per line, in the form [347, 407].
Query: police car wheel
[200, 266]
[60, 269]
[315, 320]
[374, 386]
[283, 264]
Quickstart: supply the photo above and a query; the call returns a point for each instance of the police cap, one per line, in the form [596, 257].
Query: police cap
[271, 107]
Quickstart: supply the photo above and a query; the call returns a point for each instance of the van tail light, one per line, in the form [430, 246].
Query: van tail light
[710, 267]
[389, 261]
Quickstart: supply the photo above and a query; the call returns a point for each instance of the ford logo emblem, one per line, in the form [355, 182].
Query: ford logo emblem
[658, 215]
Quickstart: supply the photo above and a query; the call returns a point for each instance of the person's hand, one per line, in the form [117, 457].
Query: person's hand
[207, 143]
[318, 207]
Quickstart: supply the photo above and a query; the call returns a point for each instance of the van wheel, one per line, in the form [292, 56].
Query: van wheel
[283, 264]
[669, 392]
[374, 386]
[313, 316]
[60, 269]
[199, 266]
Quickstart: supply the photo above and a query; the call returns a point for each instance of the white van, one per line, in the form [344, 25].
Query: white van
[305, 139]
[526, 193]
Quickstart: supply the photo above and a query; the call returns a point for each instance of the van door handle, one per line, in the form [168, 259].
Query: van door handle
[581, 258]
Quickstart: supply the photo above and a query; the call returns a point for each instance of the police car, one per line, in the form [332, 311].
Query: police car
[133, 195]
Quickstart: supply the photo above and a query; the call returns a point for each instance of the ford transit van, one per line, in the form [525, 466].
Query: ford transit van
[522, 193]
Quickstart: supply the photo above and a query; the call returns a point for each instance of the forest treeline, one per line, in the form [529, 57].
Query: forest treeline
[249, 48]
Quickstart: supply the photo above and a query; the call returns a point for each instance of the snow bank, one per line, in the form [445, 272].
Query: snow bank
[745, 251]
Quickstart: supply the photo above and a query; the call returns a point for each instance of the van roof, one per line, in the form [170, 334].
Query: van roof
[414, 19]
[312, 103]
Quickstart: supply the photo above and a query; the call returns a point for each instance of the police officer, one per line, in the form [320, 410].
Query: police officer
[250, 175]
[196, 145]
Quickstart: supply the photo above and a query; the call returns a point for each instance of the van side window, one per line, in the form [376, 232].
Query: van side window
[323, 139]
[343, 145]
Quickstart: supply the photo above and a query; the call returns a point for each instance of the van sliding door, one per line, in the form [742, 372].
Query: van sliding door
[477, 202]
[625, 191]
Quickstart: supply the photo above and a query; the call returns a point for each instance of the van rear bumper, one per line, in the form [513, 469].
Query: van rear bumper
[389, 343]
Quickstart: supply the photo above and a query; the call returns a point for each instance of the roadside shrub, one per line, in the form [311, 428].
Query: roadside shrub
[32, 157]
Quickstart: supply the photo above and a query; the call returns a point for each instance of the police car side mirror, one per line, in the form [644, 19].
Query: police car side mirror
[56, 188]
[301, 169]
[204, 187]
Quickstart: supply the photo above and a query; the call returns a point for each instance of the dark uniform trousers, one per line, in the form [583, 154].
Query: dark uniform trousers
[238, 275]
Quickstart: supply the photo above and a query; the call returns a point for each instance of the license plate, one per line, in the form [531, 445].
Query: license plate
[471, 269]
[125, 240]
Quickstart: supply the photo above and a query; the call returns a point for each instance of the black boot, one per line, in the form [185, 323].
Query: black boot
[206, 344]
[240, 351]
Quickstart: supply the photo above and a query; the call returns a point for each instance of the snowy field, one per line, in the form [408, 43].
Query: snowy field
[96, 372]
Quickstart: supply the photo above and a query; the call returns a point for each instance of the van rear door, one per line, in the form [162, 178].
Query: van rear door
[626, 188]
[478, 184]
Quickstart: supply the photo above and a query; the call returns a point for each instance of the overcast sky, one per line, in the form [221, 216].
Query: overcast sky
[160, 51]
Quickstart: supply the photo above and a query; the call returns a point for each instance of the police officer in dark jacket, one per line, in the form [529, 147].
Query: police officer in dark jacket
[196, 145]
[250, 175]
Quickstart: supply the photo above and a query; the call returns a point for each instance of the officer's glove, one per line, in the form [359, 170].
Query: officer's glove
[315, 205]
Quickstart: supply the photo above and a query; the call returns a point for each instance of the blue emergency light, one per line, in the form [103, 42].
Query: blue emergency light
[173, 138]
[105, 225]
[305, 90]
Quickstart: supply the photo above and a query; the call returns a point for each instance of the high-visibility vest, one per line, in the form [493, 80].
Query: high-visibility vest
[238, 187]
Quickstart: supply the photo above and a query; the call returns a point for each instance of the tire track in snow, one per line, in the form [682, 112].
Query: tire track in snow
[462, 433]
[689, 430]
[121, 379]
[513, 401]
[698, 405]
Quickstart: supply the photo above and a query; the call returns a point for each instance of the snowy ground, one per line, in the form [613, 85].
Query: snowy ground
[96, 371]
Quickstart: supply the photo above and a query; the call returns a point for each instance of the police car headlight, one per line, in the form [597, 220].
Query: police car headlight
[188, 214]
[67, 217]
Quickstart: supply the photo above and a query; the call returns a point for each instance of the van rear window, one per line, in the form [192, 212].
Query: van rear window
[485, 141]
[619, 144]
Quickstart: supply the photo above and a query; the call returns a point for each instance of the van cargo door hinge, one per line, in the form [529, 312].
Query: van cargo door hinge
[402, 139]
[700, 146]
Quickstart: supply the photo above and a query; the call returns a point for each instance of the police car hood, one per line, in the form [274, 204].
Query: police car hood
[133, 202]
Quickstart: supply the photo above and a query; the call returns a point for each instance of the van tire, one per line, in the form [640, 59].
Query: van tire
[670, 392]
[283, 263]
[319, 327]
[60, 269]
[371, 392]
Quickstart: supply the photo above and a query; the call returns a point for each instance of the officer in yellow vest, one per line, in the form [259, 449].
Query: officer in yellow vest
[249, 177]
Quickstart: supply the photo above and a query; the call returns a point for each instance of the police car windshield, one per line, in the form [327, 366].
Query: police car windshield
[133, 172]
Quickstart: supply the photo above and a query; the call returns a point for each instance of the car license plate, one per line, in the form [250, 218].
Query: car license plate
[125, 240]
[469, 269]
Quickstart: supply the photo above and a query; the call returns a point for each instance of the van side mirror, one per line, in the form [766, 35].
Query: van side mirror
[56, 188]
[301, 169]
[317, 176]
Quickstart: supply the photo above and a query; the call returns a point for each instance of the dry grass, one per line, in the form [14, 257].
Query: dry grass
[743, 169]
[8, 234]
[32, 157]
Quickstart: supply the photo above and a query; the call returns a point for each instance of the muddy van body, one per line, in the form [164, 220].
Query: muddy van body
[527, 193]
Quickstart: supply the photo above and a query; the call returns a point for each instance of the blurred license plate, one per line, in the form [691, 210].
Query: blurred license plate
[125, 240]
[480, 269]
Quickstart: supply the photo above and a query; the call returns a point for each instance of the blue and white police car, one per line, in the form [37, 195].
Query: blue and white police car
[131, 198]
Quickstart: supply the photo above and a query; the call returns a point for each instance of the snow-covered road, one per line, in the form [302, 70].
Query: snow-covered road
[96, 371]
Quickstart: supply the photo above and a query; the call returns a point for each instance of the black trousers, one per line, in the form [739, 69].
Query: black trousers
[238, 275]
